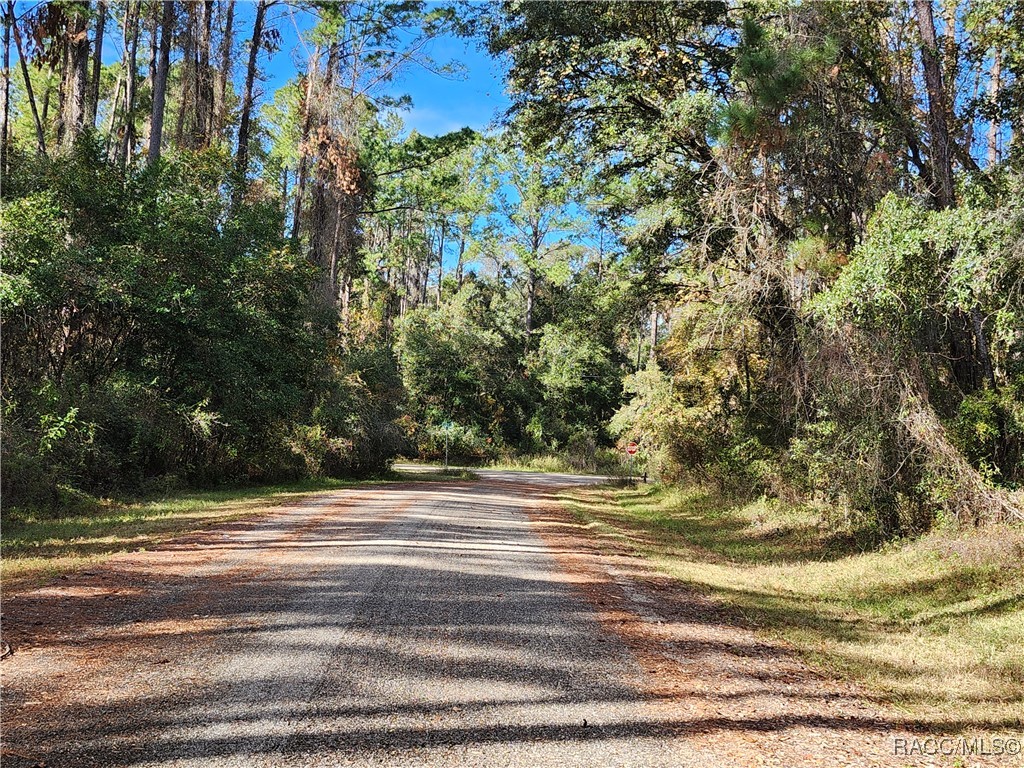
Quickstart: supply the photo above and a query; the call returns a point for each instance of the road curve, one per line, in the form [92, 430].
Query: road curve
[420, 623]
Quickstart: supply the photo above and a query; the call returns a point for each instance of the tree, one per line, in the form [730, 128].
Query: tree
[531, 223]
[220, 96]
[744, 154]
[366, 47]
[30, 94]
[162, 61]
[131, 33]
[942, 159]
[255, 44]
[73, 91]
[5, 131]
[92, 104]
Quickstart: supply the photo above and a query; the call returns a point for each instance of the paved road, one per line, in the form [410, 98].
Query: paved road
[411, 624]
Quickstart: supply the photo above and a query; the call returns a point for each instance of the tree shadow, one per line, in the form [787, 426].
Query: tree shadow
[398, 627]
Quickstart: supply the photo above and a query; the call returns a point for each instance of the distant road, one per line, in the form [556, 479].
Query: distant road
[521, 476]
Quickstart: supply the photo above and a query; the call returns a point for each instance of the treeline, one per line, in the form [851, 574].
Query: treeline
[166, 314]
[202, 284]
[779, 245]
[828, 195]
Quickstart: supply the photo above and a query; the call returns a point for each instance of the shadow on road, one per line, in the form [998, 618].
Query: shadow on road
[415, 623]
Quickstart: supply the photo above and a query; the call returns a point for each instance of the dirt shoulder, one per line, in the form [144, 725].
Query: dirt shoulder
[707, 663]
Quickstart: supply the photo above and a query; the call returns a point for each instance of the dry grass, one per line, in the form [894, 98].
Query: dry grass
[536, 463]
[934, 625]
[607, 462]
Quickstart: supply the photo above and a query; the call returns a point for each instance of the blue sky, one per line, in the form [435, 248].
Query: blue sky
[440, 105]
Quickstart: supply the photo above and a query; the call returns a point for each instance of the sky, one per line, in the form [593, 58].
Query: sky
[440, 105]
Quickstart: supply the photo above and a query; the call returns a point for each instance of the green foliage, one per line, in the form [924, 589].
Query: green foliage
[772, 71]
[989, 429]
[734, 208]
[454, 369]
[580, 386]
[835, 335]
[154, 336]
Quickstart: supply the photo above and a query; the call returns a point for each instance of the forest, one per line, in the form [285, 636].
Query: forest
[780, 245]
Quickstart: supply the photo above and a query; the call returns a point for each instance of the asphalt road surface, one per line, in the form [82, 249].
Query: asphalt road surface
[410, 624]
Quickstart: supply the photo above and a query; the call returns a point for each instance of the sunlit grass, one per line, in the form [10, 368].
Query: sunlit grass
[550, 462]
[934, 625]
[441, 474]
[538, 463]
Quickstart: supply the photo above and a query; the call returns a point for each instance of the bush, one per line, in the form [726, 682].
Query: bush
[164, 336]
[989, 429]
[466, 444]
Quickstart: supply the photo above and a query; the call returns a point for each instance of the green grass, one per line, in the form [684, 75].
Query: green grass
[536, 463]
[551, 462]
[934, 625]
[36, 547]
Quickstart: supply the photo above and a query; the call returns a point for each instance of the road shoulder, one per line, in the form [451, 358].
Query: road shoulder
[748, 698]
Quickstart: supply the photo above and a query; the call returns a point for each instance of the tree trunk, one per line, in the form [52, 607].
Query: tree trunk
[458, 266]
[994, 84]
[531, 291]
[982, 347]
[183, 125]
[97, 64]
[322, 226]
[5, 130]
[63, 71]
[941, 150]
[40, 135]
[221, 90]
[131, 33]
[422, 278]
[654, 328]
[303, 170]
[343, 247]
[346, 297]
[160, 82]
[204, 82]
[114, 141]
[951, 53]
[154, 60]
[76, 70]
[440, 265]
[330, 283]
[242, 158]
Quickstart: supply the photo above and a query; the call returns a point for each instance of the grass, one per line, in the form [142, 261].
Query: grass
[428, 471]
[551, 462]
[933, 625]
[535, 463]
[37, 547]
